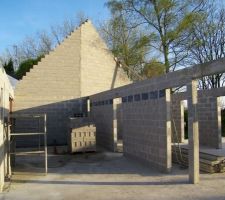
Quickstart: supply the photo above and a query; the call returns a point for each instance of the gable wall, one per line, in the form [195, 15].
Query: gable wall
[98, 68]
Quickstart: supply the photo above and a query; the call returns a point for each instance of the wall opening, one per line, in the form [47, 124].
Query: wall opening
[185, 119]
[180, 132]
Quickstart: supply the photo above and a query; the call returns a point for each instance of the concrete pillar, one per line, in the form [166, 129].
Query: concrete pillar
[88, 107]
[182, 132]
[219, 108]
[193, 132]
[115, 105]
[168, 130]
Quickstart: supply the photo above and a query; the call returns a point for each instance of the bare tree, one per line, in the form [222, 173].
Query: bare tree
[208, 43]
[42, 42]
[45, 42]
[81, 17]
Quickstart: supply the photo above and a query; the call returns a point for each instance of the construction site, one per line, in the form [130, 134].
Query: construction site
[76, 127]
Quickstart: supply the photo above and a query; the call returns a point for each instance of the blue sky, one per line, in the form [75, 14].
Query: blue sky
[19, 18]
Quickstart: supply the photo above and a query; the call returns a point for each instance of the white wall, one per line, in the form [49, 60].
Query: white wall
[6, 91]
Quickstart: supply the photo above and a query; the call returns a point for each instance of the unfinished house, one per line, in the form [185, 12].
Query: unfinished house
[6, 97]
[80, 66]
[80, 78]
[151, 120]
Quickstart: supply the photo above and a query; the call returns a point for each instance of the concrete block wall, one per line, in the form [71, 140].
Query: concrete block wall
[145, 131]
[57, 119]
[51, 87]
[102, 115]
[156, 150]
[99, 71]
[209, 116]
[6, 91]
[144, 124]
[81, 65]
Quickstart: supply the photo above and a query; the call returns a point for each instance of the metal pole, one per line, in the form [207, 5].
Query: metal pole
[45, 142]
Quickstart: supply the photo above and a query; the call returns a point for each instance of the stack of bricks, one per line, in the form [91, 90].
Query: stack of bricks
[82, 135]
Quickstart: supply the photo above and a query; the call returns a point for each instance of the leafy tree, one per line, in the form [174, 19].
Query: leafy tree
[153, 68]
[25, 67]
[129, 45]
[168, 20]
[9, 69]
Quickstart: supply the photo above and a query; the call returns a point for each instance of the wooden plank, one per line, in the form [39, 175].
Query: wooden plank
[208, 166]
[202, 154]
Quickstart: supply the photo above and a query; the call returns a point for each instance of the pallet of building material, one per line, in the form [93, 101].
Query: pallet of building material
[203, 155]
[204, 165]
[207, 163]
[82, 137]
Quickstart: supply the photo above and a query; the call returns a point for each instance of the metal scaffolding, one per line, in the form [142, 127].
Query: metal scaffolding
[13, 135]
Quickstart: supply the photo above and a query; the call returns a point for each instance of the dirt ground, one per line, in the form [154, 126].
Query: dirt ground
[108, 176]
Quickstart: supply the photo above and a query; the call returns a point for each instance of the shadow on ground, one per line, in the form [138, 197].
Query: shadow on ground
[86, 163]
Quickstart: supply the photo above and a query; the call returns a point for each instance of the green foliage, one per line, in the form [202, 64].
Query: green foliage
[9, 69]
[168, 20]
[25, 67]
[153, 68]
[130, 45]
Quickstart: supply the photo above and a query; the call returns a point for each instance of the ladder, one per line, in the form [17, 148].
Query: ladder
[178, 154]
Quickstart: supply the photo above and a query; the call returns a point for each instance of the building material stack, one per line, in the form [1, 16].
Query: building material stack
[209, 162]
[82, 135]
